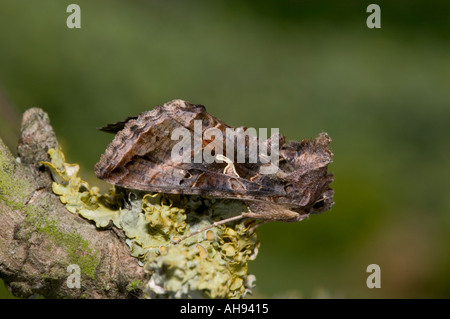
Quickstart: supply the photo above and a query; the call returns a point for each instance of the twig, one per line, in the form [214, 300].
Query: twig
[39, 238]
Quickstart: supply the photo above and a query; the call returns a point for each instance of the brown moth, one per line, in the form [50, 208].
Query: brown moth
[141, 157]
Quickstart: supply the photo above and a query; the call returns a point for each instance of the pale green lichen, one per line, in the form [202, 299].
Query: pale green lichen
[78, 251]
[210, 264]
[12, 190]
[135, 284]
[15, 191]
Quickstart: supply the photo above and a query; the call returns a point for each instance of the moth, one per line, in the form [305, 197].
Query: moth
[141, 157]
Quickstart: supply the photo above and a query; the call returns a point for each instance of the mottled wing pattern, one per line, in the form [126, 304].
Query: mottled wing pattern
[140, 157]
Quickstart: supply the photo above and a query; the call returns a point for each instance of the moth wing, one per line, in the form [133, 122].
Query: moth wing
[142, 157]
[116, 127]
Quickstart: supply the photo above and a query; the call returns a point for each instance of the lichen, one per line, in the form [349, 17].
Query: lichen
[135, 284]
[77, 248]
[12, 191]
[212, 264]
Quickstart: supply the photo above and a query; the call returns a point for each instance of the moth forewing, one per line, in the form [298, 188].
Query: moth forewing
[140, 157]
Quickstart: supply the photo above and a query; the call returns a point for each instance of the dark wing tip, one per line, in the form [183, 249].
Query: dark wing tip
[116, 127]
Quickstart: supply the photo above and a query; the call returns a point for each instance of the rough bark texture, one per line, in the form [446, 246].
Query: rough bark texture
[39, 238]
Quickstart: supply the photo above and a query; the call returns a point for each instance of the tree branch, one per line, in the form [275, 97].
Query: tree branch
[106, 237]
[39, 238]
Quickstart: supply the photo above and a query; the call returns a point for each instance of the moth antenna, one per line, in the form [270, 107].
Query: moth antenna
[215, 224]
[259, 224]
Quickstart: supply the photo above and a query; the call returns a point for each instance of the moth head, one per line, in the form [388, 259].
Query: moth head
[181, 104]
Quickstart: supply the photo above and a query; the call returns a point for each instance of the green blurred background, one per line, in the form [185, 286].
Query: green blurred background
[382, 95]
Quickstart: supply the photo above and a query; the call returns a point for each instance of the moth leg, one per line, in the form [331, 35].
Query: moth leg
[251, 230]
[263, 219]
[215, 224]
[230, 165]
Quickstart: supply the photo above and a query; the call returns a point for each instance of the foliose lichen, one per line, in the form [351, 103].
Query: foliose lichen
[210, 264]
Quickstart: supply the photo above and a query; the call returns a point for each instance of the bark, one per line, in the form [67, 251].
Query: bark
[39, 238]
